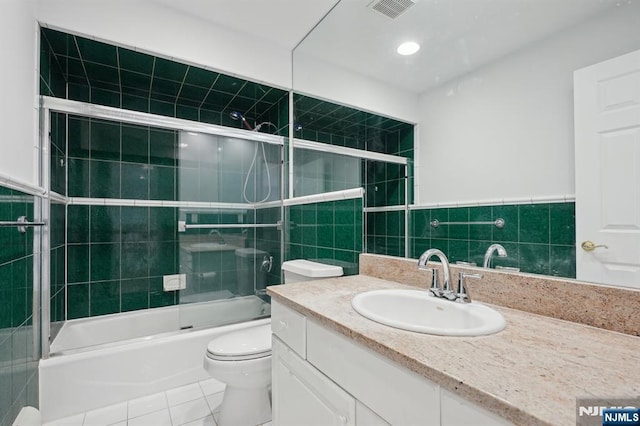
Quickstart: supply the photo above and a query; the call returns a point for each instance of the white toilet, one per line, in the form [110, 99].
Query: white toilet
[242, 359]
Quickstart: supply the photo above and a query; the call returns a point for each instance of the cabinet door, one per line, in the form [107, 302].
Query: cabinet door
[304, 396]
[366, 417]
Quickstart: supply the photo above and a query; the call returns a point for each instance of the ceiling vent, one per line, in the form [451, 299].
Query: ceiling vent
[391, 8]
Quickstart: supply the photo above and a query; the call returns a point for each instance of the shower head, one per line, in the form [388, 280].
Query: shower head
[238, 116]
[297, 127]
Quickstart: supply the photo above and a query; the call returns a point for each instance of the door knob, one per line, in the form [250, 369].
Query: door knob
[590, 246]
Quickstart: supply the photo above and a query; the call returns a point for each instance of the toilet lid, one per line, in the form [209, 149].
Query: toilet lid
[248, 343]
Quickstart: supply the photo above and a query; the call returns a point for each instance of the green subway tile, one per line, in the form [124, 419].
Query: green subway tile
[458, 250]
[104, 297]
[169, 70]
[480, 232]
[135, 224]
[78, 263]
[79, 178]
[509, 233]
[135, 103]
[79, 137]
[459, 232]
[477, 250]
[309, 214]
[105, 97]
[440, 244]
[187, 112]
[163, 259]
[200, 77]
[420, 227]
[325, 236]
[309, 252]
[134, 260]
[534, 223]
[309, 236]
[325, 213]
[135, 144]
[78, 301]
[105, 179]
[105, 140]
[163, 224]
[134, 294]
[105, 261]
[162, 147]
[19, 312]
[534, 258]
[162, 184]
[162, 108]
[135, 61]
[158, 297]
[105, 224]
[135, 181]
[78, 92]
[562, 222]
[441, 231]
[563, 261]
[344, 236]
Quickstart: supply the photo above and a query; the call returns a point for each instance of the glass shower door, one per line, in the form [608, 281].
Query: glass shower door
[229, 247]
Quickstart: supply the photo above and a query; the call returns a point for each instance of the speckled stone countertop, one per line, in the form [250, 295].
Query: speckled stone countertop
[530, 373]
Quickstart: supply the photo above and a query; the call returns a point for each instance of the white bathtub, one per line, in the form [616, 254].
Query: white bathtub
[134, 354]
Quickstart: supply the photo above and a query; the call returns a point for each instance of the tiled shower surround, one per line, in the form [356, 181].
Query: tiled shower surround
[18, 367]
[327, 230]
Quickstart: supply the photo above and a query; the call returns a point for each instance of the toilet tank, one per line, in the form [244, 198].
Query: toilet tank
[304, 270]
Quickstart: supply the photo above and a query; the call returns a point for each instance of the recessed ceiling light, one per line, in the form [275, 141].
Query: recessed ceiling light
[408, 48]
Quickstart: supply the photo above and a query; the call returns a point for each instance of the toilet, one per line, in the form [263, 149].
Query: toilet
[241, 359]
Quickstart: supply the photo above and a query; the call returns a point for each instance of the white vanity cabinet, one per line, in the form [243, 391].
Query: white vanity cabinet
[321, 377]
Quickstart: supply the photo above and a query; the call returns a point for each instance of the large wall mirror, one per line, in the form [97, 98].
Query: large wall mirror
[491, 94]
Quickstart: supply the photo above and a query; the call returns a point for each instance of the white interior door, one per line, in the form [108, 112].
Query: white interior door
[607, 152]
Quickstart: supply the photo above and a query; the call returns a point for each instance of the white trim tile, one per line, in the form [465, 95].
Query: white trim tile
[148, 404]
[183, 394]
[211, 386]
[189, 411]
[107, 415]
[157, 418]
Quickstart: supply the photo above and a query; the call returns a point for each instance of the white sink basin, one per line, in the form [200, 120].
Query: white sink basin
[417, 310]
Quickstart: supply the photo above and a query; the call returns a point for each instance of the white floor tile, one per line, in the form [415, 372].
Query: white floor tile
[107, 415]
[148, 404]
[189, 411]
[76, 420]
[183, 394]
[215, 401]
[157, 418]
[120, 424]
[211, 386]
[206, 421]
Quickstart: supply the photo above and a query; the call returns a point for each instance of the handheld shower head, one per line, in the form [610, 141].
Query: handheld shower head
[238, 116]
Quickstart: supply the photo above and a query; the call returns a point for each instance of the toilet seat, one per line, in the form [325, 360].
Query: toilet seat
[246, 344]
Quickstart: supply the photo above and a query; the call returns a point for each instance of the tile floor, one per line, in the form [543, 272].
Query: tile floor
[197, 404]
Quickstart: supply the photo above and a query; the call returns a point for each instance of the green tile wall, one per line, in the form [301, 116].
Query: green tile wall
[18, 367]
[117, 257]
[58, 149]
[269, 240]
[539, 238]
[86, 70]
[58, 261]
[385, 233]
[328, 230]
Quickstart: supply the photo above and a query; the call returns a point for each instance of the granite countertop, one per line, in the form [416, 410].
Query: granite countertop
[530, 373]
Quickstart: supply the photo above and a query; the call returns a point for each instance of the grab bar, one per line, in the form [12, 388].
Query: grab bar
[183, 226]
[22, 223]
[499, 223]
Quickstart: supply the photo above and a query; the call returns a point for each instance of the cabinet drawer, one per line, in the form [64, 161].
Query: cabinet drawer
[304, 396]
[411, 400]
[290, 327]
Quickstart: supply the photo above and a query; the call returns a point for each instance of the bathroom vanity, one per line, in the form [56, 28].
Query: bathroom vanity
[333, 366]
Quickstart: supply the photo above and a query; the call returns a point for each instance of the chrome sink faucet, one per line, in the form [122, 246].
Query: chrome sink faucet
[217, 234]
[443, 290]
[489, 254]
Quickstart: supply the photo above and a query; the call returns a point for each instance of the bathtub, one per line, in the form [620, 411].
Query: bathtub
[101, 361]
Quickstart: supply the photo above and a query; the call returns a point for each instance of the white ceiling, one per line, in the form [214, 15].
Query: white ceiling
[457, 36]
[284, 22]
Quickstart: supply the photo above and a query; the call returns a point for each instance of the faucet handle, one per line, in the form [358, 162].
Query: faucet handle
[463, 295]
[434, 289]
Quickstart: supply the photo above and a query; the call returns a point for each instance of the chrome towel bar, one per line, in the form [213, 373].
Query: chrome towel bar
[499, 223]
[22, 223]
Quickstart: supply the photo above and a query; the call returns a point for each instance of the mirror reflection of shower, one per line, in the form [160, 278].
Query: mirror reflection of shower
[259, 145]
